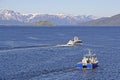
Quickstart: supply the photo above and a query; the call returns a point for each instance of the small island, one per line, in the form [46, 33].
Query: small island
[43, 23]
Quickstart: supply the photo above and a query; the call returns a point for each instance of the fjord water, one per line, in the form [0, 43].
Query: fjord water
[30, 53]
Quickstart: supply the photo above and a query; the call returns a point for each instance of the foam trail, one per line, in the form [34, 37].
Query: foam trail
[63, 45]
[29, 47]
[24, 47]
[34, 46]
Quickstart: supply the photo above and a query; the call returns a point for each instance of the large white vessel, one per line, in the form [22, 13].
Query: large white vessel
[74, 41]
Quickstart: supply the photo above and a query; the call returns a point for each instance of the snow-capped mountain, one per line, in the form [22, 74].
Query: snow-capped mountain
[11, 17]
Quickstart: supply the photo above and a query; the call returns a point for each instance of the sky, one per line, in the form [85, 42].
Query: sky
[99, 8]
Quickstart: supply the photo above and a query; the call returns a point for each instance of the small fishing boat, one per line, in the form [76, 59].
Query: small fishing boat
[89, 61]
[74, 41]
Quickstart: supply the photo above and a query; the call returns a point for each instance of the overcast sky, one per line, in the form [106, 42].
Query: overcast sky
[76, 7]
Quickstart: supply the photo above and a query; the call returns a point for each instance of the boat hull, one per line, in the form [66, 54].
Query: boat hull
[87, 66]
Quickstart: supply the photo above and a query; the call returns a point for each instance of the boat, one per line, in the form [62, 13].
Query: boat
[74, 41]
[89, 61]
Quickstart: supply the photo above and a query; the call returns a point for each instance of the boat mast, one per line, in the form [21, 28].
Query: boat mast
[89, 51]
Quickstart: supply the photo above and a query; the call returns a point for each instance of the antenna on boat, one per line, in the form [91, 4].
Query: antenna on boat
[89, 51]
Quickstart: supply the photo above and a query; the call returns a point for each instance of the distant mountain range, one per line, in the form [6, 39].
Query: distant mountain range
[9, 17]
[105, 21]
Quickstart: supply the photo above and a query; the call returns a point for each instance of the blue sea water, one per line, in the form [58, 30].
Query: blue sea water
[30, 53]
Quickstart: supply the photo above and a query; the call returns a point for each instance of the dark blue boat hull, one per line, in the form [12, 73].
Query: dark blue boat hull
[87, 66]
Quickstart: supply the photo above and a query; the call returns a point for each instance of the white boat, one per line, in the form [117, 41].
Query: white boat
[89, 61]
[74, 41]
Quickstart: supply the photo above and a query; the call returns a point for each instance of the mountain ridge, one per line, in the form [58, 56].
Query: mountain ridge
[12, 17]
[105, 21]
